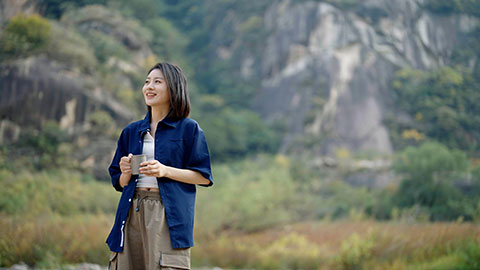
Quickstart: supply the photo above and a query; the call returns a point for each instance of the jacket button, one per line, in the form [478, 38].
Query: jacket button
[137, 209]
[129, 200]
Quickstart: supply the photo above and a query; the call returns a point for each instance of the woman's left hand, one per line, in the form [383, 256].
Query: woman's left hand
[153, 168]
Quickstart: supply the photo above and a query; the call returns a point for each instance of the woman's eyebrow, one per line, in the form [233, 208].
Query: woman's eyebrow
[161, 78]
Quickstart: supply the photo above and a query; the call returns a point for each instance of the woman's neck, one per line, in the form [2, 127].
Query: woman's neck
[158, 113]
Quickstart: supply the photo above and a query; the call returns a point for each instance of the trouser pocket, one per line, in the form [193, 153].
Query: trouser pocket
[174, 261]
[112, 264]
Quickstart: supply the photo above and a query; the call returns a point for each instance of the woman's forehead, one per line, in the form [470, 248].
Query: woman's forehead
[155, 73]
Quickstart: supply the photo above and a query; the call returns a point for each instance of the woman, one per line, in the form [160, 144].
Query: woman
[153, 226]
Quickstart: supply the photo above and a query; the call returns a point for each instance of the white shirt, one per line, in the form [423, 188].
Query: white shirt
[148, 149]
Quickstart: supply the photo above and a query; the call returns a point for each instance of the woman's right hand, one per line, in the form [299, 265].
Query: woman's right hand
[126, 165]
[126, 169]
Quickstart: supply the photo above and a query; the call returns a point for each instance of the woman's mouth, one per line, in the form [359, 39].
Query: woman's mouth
[150, 95]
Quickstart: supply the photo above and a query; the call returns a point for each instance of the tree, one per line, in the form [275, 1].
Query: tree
[24, 35]
[429, 172]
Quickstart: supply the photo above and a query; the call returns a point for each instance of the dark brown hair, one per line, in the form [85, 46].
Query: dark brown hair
[177, 87]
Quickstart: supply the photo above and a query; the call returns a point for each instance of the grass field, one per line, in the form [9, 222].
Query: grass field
[54, 241]
[49, 219]
[347, 245]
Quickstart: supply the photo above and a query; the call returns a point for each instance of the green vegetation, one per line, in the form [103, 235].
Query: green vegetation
[265, 211]
[70, 48]
[35, 149]
[345, 245]
[442, 104]
[266, 219]
[54, 192]
[54, 217]
[430, 174]
[471, 7]
[24, 35]
[55, 8]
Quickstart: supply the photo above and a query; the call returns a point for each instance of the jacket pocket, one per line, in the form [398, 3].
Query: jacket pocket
[112, 264]
[174, 261]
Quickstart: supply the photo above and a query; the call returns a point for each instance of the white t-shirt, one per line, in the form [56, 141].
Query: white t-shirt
[148, 149]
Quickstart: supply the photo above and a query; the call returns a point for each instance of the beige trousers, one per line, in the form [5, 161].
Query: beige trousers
[147, 240]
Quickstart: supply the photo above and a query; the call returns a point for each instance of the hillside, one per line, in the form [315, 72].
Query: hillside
[316, 79]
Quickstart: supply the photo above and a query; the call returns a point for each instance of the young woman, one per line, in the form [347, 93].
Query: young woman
[153, 226]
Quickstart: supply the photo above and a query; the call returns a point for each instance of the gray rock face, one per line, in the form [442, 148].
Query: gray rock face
[10, 8]
[36, 90]
[64, 86]
[326, 72]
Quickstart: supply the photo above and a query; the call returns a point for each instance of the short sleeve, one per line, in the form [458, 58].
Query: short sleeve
[199, 158]
[114, 169]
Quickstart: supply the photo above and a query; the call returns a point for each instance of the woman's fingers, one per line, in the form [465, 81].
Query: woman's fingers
[149, 162]
[125, 164]
[146, 168]
[150, 170]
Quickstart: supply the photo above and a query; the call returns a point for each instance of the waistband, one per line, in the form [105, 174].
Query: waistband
[144, 194]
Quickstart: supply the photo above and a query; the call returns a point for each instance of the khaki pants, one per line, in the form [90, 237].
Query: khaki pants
[147, 240]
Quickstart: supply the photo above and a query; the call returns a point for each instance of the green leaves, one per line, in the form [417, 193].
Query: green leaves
[443, 103]
[430, 173]
[24, 35]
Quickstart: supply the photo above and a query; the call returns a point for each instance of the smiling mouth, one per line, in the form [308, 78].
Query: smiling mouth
[150, 95]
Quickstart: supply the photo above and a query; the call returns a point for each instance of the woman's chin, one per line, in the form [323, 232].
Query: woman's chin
[150, 103]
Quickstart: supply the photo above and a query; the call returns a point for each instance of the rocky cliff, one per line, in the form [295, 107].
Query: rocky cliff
[326, 72]
[65, 84]
[322, 71]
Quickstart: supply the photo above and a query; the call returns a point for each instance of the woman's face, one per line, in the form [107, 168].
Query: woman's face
[155, 90]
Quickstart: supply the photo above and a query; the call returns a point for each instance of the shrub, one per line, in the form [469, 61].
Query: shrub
[101, 123]
[429, 171]
[290, 251]
[54, 192]
[70, 48]
[250, 195]
[237, 133]
[41, 149]
[25, 35]
[355, 251]
[469, 256]
[106, 46]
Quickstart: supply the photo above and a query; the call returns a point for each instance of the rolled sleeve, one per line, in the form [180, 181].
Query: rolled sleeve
[199, 159]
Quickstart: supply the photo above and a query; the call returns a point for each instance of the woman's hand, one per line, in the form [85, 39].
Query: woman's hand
[126, 169]
[126, 165]
[153, 168]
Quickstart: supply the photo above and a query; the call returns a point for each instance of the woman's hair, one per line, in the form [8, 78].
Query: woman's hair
[177, 87]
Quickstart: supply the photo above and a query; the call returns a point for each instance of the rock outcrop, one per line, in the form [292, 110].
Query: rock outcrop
[64, 84]
[327, 72]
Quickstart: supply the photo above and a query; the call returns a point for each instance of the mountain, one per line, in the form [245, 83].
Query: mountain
[319, 73]
[88, 97]
[326, 72]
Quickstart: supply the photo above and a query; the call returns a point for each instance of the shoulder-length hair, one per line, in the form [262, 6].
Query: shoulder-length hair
[177, 87]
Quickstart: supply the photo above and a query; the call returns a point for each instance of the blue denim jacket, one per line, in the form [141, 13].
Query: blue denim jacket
[178, 143]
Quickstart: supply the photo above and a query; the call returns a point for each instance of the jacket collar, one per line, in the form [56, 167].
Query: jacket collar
[145, 123]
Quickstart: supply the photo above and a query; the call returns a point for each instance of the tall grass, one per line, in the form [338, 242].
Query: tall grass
[248, 219]
[54, 240]
[51, 218]
[346, 245]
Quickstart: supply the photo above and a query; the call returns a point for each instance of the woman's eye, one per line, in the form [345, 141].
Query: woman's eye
[146, 82]
[158, 81]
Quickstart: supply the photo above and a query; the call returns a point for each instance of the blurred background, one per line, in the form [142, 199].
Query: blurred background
[344, 134]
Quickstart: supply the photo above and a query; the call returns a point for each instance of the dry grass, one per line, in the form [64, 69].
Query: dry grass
[54, 240]
[339, 245]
